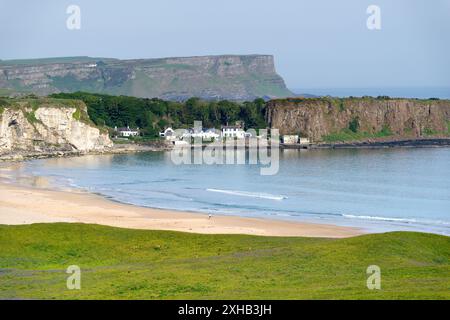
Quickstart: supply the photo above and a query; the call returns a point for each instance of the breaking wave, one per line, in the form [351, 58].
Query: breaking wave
[249, 194]
[401, 220]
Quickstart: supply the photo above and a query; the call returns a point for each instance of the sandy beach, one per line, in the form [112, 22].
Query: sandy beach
[27, 204]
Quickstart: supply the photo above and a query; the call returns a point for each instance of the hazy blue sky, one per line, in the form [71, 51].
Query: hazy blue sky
[316, 43]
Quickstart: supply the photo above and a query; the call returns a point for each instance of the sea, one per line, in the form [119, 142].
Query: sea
[377, 190]
[394, 92]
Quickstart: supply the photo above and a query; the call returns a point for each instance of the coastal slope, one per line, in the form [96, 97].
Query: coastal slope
[233, 77]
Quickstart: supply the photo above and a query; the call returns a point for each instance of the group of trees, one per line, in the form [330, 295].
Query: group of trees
[153, 115]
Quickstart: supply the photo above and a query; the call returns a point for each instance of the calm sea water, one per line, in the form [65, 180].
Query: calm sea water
[406, 92]
[375, 189]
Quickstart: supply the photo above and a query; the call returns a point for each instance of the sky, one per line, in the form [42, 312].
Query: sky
[316, 44]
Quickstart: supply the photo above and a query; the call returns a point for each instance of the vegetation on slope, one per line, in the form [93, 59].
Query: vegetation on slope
[134, 264]
[354, 134]
[3, 104]
[30, 103]
[154, 115]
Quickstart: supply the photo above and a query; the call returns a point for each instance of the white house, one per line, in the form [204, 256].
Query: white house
[294, 139]
[205, 134]
[211, 134]
[234, 132]
[126, 132]
[289, 139]
[188, 133]
[168, 134]
[304, 140]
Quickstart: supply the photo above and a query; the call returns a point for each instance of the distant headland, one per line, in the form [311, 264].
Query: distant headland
[231, 77]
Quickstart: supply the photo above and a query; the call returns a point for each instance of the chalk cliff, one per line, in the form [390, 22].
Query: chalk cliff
[359, 118]
[45, 126]
[233, 77]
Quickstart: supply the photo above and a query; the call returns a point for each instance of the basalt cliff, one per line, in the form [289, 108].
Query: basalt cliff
[360, 119]
[45, 127]
[233, 77]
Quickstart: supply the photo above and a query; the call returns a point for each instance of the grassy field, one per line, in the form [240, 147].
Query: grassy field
[134, 264]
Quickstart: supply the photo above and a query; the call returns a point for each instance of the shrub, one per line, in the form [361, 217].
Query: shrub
[354, 125]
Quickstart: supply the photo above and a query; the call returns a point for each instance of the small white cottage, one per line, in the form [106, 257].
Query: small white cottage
[126, 132]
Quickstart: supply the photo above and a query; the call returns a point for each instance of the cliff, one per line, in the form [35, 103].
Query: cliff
[359, 119]
[46, 126]
[230, 77]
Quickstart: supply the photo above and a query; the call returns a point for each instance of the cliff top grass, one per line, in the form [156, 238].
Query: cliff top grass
[33, 102]
[139, 264]
[79, 59]
[337, 100]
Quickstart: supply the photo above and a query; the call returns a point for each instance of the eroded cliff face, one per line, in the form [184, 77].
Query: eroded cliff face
[208, 77]
[47, 125]
[318, 118]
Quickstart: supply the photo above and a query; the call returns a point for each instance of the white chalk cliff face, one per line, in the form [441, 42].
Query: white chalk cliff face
[47, 129]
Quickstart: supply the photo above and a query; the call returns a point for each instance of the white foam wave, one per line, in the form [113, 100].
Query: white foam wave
[351, 216]
[249, 194]
[404, 220]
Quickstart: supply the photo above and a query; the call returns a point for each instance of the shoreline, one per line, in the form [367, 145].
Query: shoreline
[116, 149]
[20, 205]
[436, 142]
[130, 148]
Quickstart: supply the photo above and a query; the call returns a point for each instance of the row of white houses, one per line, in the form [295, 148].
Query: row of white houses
[205, 134]
[227, 132]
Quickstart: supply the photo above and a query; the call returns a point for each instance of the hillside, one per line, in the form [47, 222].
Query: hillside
[135, 264]
[232, 77]
[154, 115]
[359, 119]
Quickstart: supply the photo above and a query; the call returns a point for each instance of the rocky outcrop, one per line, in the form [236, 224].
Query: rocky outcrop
[209, 77]
[317, 118]
[34, 126]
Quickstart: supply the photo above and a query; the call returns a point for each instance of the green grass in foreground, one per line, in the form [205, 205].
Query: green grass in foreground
[127, 264]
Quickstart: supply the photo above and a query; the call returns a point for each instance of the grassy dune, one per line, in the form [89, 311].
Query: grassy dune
[134, 264]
